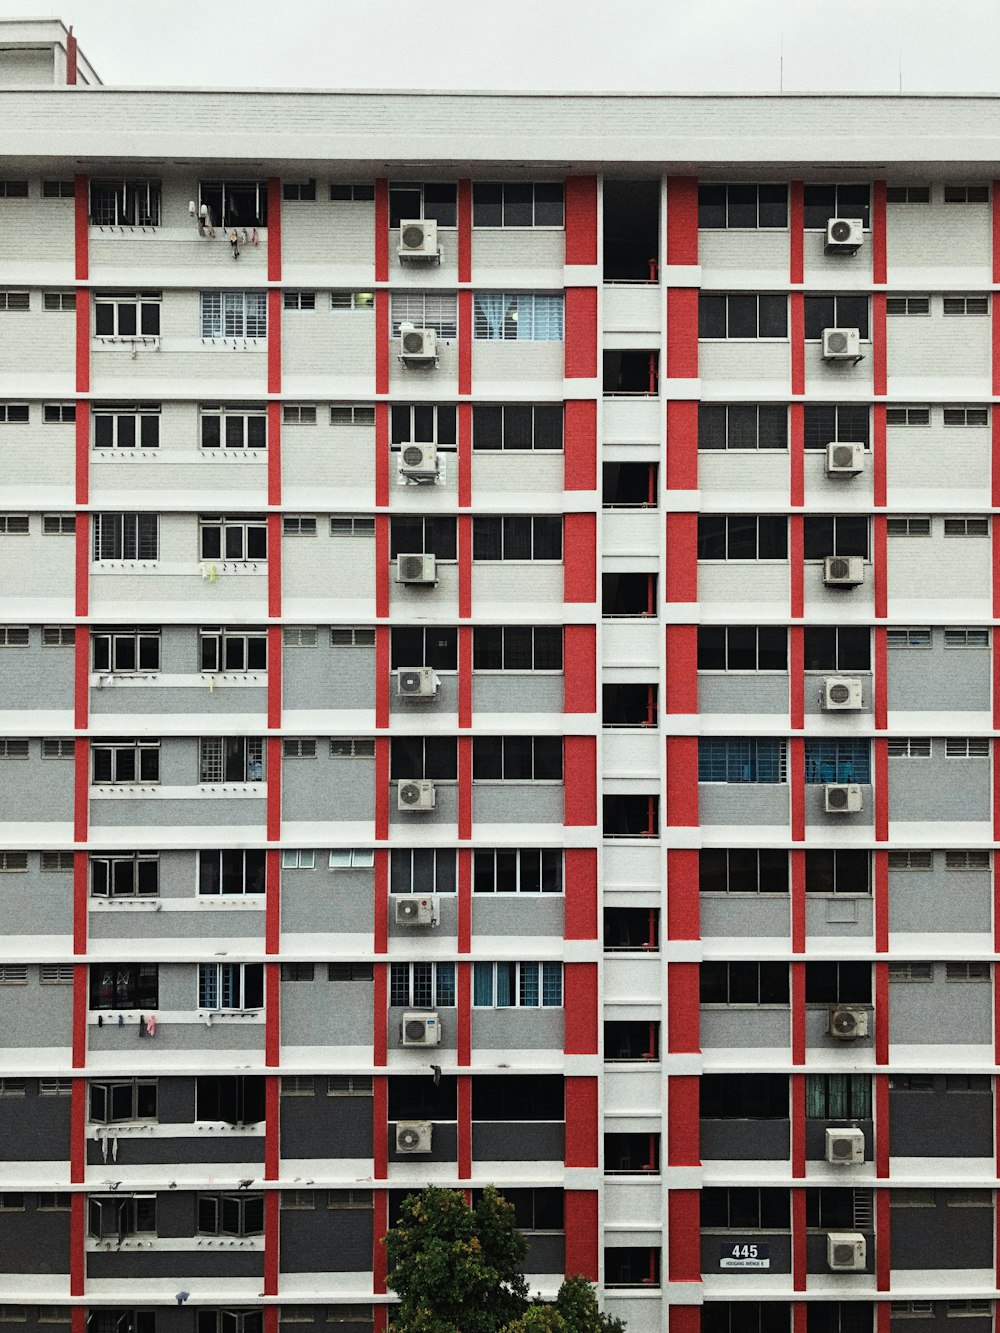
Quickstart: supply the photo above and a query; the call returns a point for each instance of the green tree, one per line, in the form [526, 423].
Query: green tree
[575, 1311]
[454, 1268]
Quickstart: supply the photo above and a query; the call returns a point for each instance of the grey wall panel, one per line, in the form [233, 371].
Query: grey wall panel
[939, 678]
[752, 1026]
[939, 788]
[325, 677]
[736, 692]
[745, 1140]
[323, 1126]
[530, 1029]
[132, 1150]
[523, 1141]
[177, 813]
[942, 1237]
[36, 901]
[35, 790]
[327, 901]
[942, 1012]
[446, 700]
[916, 898]
[838, 914]
[35, 1015]
[817, 1022]
[444, 1145]
[447, 920]
[518, 914]
[940, 1123]
[517, 803]
[223, 699]
[316, 1013]
[34, 1128]
[445, 809]
[207, 926]
[33, 1241]
[517, 693]
[746, 917]
[36, 677]
[182, 1264]
[325, 788]
[816, 1137]
[323, 1240]
[816, 1252]
[816, 815]
[545, 1253]
[743, 803]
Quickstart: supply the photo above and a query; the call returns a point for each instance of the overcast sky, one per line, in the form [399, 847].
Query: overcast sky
[656, 45]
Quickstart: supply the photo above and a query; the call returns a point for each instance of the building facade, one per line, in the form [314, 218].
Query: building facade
[498, 684]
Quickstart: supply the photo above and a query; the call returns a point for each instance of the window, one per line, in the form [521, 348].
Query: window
[742, 426]
[907, 194]
[58, 525]
[125, 875]
[517, 758]
[966, 416]
[298, 1085]
[422, 985]
[13, 974]
[118, 1100]
[841, 534]
[914, 747]
[517, 870]
[967, 527]
[299, 301]
[56, 862]
[226, 648]
[846, 870]
[347, 526]
[969, 860]
[911, 860]
[835, 312]
[233, 426]
[298, 971]
[298, 414]
[351, 414]
[517, 204]
[744, 1097]
[912, 971]
[298, 1200]
[959, 1309]
[302, 192]
[908, 638]
[11, 862]
[517, 316]
[423, 757]
[424, 310]
[838, 983]
[229, 1321]
[521, 985]
[350, 300]
[352, 858]
[298, 747]
[966, 305]
[125, 649]
[743, 315]
[908, 305]
[127, 314]
[349, 1314]
[235, 203]
[13, 1314]
[835, 1209]
[353, 747]
[412, 646]
[14, 636]
[126, 425]
[349, 1085]
[420, 870]
[957, 747]
[745, 1208]
[966, 194]
[228, 314]
[349, 1199]
[967, 971]
[349, 972]
[516, 426]
[13, 189]
[59, 301]
[11, 300]
[744, 983]
[837, 648]
[125, 203]
[437, 201]
[423, 423]
[58, 190]
[742, 870]
[13, 414]
[966, 638]
[124, 986]
[126, 537]
[352, 636]
[222, 872]
[230, 1214]
[356, 193]
[231, 759]
[14, 525]
[517, 648]
[58, 414]
[742, 537]
[845, 760]
[298, 525]
[56, 974]
[11, 748]
[433, 536]
[516, 538]
[233, 537]
[746, 1317]
[57, 636]
[230, 986]
[742, 648]
[235, 1099]
[828, 423]
[742, 207]
[116, 1216]
[908, 416]
[741, 759]
[126, 761]
[823, 202]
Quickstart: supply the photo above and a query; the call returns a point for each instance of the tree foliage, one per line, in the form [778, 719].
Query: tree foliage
[454, 1268]
[575, 1311]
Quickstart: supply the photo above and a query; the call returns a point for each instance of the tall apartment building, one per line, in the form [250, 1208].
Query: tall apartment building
[498, 683]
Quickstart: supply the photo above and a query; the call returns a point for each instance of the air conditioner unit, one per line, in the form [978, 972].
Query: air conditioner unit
[417, 346]
[413, 1136]
[841, 694]
[844, 236]
[418, 462]
[414, 911]
[418, 239]
[845, 458]
[846, 1251]
[845, 1147]
[420, 1030]
[416, 795]
[843, 571]
[842, 798]
[416, 683]
[841, 345]
[416, 568]
[847, 1024]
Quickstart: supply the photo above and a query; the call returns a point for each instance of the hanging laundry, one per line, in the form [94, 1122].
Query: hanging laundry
[151, 1026]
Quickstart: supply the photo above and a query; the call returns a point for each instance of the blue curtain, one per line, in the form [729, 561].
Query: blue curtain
[482, 985]
[489, 316]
